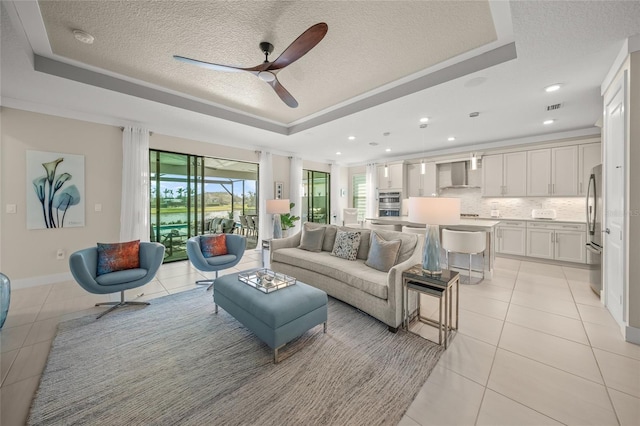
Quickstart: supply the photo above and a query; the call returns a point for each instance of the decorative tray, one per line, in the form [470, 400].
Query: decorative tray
[266, 280]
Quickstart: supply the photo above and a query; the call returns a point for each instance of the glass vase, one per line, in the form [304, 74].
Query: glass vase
[5, 297]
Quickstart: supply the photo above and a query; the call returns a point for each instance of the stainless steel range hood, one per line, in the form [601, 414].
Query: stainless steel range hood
[459, 172]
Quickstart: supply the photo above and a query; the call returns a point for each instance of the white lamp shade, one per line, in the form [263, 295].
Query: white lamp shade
[434, 210]
[277, 206]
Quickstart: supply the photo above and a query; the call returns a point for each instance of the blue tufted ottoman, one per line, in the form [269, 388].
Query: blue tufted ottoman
[277, 317]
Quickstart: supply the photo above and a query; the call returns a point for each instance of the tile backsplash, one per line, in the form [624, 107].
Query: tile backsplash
[570, 208]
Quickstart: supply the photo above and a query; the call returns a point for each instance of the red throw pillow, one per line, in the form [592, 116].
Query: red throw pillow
[118, 256]
[213, 245]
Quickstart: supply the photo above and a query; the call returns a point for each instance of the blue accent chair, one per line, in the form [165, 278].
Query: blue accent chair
[236, 245]
[84, 268]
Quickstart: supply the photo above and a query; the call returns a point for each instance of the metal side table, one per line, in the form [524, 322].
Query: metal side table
[439, 286]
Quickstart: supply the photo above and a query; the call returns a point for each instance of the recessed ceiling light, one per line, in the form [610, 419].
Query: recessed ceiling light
[373, 143]
[83, 36]
[424, 119]
[451, 139]
[545, 122]
[338, 153]
[388, 149]
[351, 138]
[552, 88]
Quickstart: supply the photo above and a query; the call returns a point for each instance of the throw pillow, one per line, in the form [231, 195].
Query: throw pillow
[346, 245]
[383, 254]
[311, 239]
[213, 245]
[114, 257]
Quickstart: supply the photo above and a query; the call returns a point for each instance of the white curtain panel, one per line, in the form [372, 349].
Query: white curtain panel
[134, 211]
[265, 230]
[336, 200]
[372, 194]
[295, 191]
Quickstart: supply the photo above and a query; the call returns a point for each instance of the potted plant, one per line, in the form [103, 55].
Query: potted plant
[287, 220]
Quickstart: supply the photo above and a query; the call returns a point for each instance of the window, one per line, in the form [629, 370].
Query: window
[360, 195]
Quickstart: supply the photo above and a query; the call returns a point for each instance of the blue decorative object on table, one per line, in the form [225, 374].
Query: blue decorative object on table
[5, 297]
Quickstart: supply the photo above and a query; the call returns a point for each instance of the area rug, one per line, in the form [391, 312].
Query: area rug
[177, 362]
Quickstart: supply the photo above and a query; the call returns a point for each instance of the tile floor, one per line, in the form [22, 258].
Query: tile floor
[535, 347]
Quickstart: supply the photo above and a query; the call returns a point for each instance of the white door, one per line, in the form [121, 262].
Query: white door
[614, 194]
[396, 176]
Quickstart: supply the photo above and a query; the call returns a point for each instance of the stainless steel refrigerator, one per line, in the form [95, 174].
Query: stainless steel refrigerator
[594, 226]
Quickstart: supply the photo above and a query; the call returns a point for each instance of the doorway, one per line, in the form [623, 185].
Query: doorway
[315, 196]
[188, 192]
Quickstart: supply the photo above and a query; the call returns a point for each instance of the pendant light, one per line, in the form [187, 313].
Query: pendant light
[386, 171]
[474, 161]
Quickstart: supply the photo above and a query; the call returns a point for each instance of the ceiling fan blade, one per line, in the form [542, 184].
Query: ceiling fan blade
[300, 46]
[217, 67]
[283, 93]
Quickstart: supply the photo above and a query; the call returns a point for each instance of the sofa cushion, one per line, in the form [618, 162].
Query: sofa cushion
[213, 245]
[312, 238]
[114, 257]
[329, 234]
[354, 274]
[408, 245]
[346, 245]
[365, 237]
[383, 254]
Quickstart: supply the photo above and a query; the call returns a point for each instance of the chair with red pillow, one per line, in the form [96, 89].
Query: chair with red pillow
[213, 253]
[116, 267]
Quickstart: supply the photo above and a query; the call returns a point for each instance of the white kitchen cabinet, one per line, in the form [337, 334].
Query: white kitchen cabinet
[511, 238]
[564, 171]
[504, 175]
[589, 156]
[394, 178]
[540, 242]
[552, 171]
[570, 246]
[565, 242]
[418, 184]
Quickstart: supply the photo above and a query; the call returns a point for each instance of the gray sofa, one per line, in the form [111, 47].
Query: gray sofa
[377, 293]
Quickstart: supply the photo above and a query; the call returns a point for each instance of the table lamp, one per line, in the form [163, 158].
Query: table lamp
[276, 207]
[433, 212]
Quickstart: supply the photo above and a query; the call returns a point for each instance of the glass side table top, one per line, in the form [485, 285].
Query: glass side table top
[416, 273]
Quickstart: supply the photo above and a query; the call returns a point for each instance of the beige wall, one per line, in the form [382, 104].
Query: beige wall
[32, 253]
[29, 256]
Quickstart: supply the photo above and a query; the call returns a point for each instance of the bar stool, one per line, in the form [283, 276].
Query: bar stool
[465, 242]
[414, 230]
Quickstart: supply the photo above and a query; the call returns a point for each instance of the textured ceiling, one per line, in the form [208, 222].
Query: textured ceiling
[368, 45]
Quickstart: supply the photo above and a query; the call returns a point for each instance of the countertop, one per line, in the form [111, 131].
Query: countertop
[404, 220]
[529, 219]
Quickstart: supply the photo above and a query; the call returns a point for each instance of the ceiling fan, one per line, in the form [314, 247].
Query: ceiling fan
[267, 70]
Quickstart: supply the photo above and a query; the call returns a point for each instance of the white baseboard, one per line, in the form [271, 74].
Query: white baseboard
[41, 280]
[632, 334]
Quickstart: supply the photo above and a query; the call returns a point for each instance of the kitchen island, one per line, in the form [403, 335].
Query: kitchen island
[458, 260]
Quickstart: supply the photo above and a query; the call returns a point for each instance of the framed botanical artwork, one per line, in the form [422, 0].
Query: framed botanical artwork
[55, 190]
[279, 188]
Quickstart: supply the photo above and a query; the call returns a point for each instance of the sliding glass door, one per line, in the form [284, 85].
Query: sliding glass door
[189, 191]
[315, 197]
